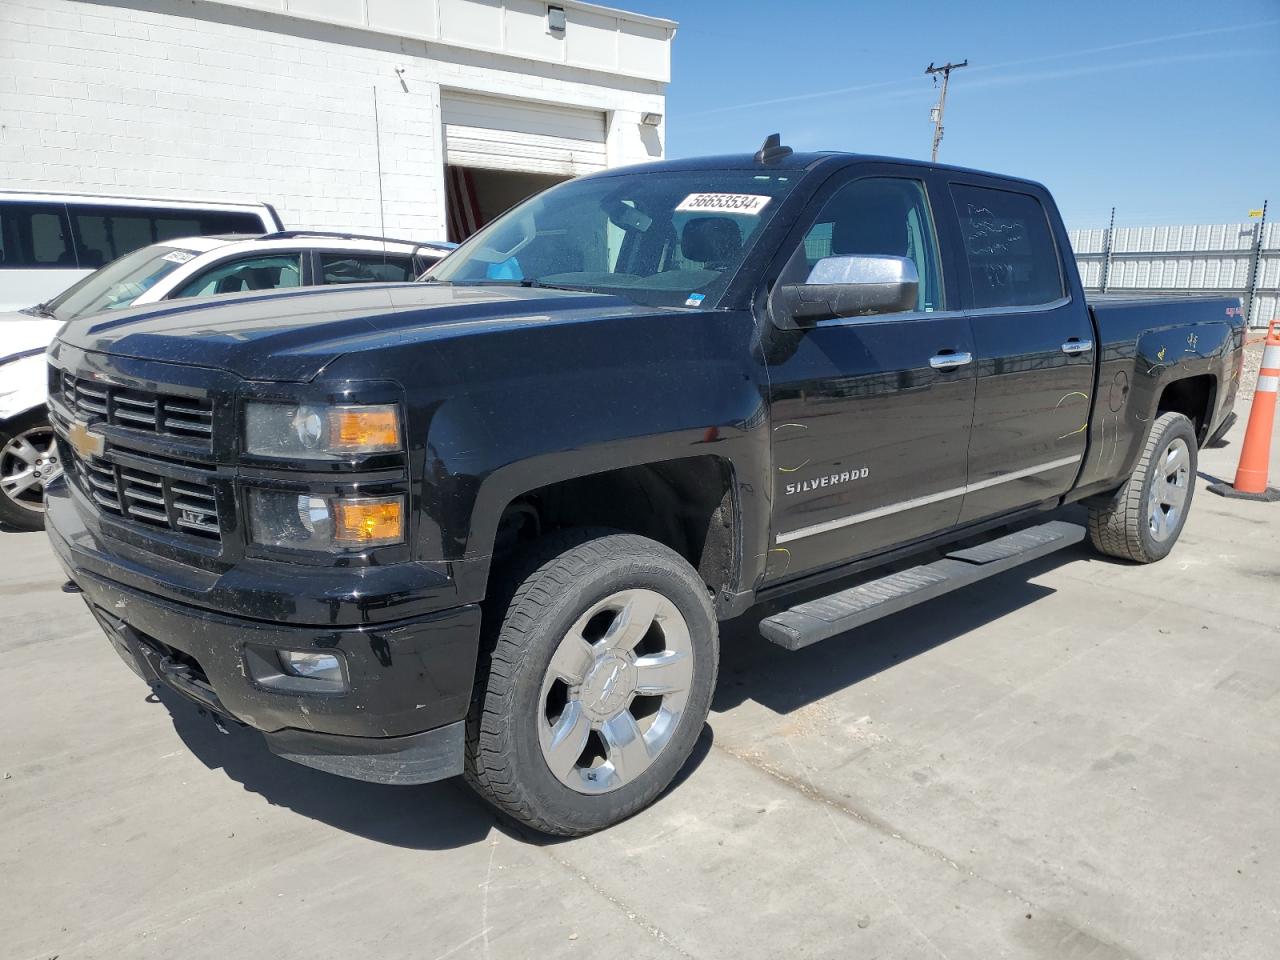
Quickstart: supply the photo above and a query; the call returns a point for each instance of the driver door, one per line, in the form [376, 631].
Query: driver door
[870, 415]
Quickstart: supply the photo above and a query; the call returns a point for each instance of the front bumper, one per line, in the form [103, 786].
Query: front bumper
[410, 680]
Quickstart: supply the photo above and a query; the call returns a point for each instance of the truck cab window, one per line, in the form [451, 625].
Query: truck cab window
[252, 273]
[342, 267]
[1013, 261]
[880, 216]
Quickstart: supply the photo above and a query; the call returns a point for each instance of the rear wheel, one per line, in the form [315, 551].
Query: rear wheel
[28, 461]
[1144, 518]
[599, 681]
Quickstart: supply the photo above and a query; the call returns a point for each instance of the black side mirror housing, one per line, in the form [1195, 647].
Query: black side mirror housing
[847, 286]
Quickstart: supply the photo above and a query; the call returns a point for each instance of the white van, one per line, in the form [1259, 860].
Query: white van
[48, 241]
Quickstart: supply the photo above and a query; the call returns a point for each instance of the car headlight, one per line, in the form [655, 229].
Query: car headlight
[306, 431]
[305, 521]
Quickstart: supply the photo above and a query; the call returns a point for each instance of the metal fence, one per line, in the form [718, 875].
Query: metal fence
[1241, 259]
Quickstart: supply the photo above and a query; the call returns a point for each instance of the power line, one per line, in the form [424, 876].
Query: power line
[937, 111]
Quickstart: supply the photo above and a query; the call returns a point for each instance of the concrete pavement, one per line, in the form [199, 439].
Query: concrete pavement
[1075, 760]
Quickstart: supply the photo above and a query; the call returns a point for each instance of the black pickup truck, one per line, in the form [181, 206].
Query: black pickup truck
[487, 523]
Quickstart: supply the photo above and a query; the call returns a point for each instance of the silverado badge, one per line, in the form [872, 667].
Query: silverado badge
[86, 442]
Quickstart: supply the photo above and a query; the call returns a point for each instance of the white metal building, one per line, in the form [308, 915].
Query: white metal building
[416, 118]
[1225, 258]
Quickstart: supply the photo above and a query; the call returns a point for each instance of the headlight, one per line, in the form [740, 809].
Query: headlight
[304, 521]
[321, 431]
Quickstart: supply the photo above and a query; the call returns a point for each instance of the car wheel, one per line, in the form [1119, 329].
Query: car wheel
[1145, 517]
[604, 652]
[29, 460]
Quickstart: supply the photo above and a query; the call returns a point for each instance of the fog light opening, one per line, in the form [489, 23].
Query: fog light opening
[314, 666]
[297, 671]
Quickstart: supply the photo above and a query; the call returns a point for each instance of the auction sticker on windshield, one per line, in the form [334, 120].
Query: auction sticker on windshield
[745, 203]
[178, 256]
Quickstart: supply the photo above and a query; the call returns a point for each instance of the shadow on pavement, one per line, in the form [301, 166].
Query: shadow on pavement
[434, 816]
[447, 814]
[752, 668]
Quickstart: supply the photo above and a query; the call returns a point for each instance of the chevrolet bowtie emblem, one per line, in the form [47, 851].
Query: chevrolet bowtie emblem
[85, 441]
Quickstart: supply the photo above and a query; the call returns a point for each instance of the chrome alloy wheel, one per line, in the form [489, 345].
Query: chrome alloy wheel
[28, 462]
[615, 690]
[1170, 486]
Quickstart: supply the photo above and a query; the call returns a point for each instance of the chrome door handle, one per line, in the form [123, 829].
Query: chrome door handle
[1074, 346]
[949, 361]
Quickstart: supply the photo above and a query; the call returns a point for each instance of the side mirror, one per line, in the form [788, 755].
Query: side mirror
[848, 286]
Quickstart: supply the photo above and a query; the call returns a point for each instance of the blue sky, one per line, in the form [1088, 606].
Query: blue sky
[1169, 111]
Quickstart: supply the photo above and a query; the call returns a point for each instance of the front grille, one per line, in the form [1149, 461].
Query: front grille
[184, 506]
[159, 413]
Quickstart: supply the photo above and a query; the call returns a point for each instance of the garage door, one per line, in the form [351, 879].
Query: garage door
[499, 134]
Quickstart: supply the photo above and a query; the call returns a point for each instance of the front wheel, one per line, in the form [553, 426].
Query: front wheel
[1144, 518]
[598, 684]
[28, 462]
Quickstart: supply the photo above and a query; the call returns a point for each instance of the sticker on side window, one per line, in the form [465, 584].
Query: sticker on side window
[749, 204]
[178, 256]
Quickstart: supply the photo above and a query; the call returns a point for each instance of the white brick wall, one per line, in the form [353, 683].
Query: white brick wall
[243, 105]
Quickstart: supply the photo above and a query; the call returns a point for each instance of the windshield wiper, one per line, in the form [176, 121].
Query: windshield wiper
[534, 282]
[528, 283]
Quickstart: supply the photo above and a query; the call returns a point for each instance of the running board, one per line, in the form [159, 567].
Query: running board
[823, 618]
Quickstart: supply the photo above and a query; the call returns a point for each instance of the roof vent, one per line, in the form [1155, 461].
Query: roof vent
[772, 149]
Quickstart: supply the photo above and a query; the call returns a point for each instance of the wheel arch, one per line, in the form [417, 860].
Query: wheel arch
[1194, 397]
[688, 503]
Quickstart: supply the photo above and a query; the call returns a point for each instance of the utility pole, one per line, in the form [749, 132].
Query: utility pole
[936, 113]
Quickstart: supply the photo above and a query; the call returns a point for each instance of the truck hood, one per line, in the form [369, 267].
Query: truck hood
[294, 335]
[21, 333]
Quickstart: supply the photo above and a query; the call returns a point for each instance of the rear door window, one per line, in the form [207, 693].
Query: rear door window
[105, 232]
[268, 272]
[35, 236]
[1013, 261]
[338, 267]
[213, 222]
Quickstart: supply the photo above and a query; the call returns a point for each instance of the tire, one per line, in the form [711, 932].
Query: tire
[554, 665]
[1144, 518]
[28, 460]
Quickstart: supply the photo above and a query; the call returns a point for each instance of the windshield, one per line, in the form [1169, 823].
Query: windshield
[660, 239]
[119, 283]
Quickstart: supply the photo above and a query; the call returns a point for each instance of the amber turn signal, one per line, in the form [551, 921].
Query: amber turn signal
[364, 429]
[368, 523]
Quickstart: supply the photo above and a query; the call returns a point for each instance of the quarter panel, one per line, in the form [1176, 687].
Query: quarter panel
[1145, 346]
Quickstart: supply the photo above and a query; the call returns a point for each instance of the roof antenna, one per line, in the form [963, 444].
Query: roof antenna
[772, 149]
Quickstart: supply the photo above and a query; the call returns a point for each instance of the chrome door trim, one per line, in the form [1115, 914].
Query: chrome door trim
[842, 522]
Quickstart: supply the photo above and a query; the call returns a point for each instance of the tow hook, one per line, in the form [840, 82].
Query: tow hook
[71, 587]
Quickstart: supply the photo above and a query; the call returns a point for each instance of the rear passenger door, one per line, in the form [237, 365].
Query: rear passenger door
[1033, 349]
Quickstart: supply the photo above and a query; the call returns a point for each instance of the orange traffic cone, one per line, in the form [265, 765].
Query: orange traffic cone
[1251, 475]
